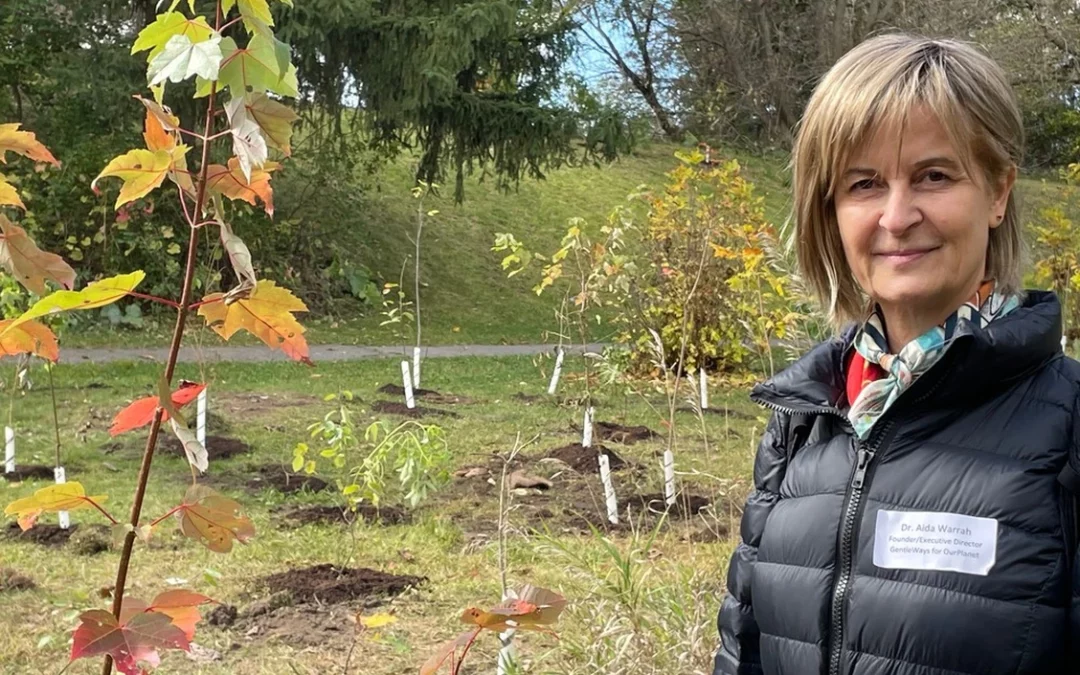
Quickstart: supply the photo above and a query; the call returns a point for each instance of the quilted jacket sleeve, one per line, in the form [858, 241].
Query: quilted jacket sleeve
[1071, 479]
[738, 653]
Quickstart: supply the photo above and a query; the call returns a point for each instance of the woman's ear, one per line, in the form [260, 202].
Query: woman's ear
[1001, 196]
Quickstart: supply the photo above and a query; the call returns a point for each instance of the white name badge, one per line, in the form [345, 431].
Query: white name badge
[926, 540]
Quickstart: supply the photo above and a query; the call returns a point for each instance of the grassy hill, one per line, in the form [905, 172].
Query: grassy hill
[466, 296]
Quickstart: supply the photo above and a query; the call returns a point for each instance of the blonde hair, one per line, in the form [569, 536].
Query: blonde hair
[877, 85]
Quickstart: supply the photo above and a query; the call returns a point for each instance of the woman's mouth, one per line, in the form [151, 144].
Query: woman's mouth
[905, 256]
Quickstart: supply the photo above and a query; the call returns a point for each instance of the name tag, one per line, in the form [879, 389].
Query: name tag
[926, 540]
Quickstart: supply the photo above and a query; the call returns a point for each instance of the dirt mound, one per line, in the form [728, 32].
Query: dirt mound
[395, 408]
[685, 506]
[276, 478]
[45, 534]
[222, 616]
[311, 515]
[424, 394]
[328, 584]
[217, 447]
[618, 433]
[29, 472]
[584, 460]
[10, 580]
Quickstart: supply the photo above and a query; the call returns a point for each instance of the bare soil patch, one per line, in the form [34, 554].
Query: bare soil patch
[313, 515]
[584, 460]
[430, 395]
[276, 478]
[329, 584]
[395, 408]
[618, 433]
[11, 580]
[685, 506]
[247, 404]
[29, 472]
[45, 534]
[217, 447]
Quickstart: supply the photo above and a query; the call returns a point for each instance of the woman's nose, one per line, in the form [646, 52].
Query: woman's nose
[900, 211]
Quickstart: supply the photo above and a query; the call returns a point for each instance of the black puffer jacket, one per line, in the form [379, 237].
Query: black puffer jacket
[988, 435]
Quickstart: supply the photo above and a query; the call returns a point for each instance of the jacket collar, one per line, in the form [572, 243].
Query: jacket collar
[981, 360]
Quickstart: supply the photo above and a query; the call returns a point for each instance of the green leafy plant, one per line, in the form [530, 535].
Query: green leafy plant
[1057, 253]
[414, 454]
[233, 51]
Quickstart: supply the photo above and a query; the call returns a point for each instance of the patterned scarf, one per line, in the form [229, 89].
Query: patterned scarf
[917, 356]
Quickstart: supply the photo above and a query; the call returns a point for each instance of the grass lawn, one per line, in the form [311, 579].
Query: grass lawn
[635, 607]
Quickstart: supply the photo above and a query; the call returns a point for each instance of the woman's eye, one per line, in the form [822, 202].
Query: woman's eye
[864, 184]
[936, 177]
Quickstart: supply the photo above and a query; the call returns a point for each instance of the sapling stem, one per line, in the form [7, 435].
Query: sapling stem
[170, 364]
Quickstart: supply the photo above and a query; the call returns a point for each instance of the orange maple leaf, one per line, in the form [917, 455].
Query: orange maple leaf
[30, 337]
[266, 314]
[231, 183]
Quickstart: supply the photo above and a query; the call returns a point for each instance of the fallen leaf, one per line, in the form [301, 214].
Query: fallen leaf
[141, 412]
[31, 266]
[267, 315]
[50, 499]
[135, 640]
[377, 621]
[213, 519]
[31, 337]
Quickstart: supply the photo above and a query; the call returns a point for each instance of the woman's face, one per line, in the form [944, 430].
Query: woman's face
[914, 225]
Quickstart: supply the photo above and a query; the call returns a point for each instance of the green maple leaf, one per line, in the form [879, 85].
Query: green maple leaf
[253, 68]
[155, 36]
[182, 58]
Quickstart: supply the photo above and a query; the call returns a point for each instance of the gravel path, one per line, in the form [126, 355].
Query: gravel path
[323, 353]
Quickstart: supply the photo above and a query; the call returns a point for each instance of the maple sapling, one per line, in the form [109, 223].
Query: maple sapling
[406, 381]
[178, 48]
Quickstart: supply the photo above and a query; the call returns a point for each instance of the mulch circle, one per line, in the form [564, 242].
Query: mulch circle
[328, 584]
[311, 515]
[584, 460]
[395, 408]
[392, 389]
[217, 447]
[618, 433]
[685, 506]
[45, 534]
[276, 478]
[29, 472]
[11, 580]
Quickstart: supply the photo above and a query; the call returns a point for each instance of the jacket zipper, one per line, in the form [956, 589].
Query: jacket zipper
[864, 458]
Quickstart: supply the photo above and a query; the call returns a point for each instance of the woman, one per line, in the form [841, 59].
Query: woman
[910, 514]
